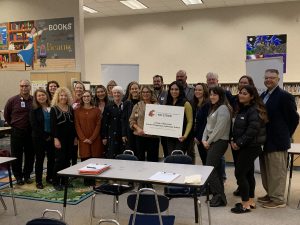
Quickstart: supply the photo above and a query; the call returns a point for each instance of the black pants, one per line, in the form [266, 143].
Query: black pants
[41, 148]
[74, 155]
[202, 152]
[149, 145]
[214, 155]
[244, 171]
[164, 144]
[63, 157]
[21, 143]
[114, 147]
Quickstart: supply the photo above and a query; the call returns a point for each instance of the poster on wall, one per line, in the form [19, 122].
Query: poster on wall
[45, 44]
[267, 46]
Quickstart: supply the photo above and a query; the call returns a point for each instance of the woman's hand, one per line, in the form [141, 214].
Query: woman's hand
[124, 139]
[234, 146]
[57, 143]
[205, 144]
[181, 139]
[87, 141]
[196, 141]
[139, 131]
[75, 141]
[104, 141]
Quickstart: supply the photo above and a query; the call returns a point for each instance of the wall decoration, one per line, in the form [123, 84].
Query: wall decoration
[37, 45]
[267, 46]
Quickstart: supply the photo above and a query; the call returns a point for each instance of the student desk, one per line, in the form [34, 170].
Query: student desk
[5, 130]
[140, 171]
[294, 150]
[8, 160]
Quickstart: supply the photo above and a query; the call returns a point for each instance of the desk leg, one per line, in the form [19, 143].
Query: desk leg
[208, 203]
[11, 188]
[196, 206]
[65, 198]
[290, 178]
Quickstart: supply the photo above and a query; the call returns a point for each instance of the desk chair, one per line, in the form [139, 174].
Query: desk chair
[114, 189]
[147, 208]
[177, 156]
[47, 221]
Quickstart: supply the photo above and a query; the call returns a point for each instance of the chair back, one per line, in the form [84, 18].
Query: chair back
[177, 152]
[146, 204]
[47, 221]
[127, 155]
[111, 221]
[180, 159]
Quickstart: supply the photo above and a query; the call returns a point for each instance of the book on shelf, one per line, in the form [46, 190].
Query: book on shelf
[93, 169]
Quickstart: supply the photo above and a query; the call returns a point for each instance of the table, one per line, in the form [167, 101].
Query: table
[5, 130]
[140, 171]
[294, 150]
[8, 160]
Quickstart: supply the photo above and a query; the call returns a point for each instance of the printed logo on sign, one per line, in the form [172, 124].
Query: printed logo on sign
[152, 113]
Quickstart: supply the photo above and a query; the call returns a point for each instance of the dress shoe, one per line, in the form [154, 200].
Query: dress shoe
[39, 185]
[273, 205]
[237, 192]
[239, 208]
[20, 182]
[28, 180]
[264, 199]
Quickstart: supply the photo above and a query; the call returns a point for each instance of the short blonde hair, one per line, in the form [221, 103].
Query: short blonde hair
[58, 91]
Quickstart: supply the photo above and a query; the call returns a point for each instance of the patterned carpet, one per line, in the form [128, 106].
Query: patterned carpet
[76, 194]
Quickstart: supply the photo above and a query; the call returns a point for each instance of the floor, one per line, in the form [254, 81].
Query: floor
[181, 208]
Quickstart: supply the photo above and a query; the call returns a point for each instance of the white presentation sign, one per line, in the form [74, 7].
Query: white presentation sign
[163, 120]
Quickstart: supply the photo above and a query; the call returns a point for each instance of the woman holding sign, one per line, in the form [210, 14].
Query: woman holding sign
[215, 139]
[144, 143]
[176, 97]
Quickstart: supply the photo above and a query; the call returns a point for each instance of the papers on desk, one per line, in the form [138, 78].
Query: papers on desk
[164, 177]
[92, 169]
[193, 179]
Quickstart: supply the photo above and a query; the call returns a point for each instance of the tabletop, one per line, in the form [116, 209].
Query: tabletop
[140, 171]
[6, 159]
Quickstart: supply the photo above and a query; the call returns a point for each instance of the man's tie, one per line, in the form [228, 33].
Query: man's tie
[267, 96]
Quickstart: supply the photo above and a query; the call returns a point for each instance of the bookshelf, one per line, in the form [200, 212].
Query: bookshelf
[16, 40]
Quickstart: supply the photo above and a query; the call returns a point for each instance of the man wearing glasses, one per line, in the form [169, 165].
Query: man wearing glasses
[283, 121]
[16, 114]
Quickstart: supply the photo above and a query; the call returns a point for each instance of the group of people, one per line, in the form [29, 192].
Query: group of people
[57, 122]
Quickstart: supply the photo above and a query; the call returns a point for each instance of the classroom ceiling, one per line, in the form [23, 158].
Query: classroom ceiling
[108, 8]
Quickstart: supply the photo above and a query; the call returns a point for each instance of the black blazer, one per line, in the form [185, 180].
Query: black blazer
[36, 118]
[283, 120]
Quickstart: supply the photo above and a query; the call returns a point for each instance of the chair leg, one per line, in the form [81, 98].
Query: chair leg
[196, 209]
[117, 207]
[199, 212]
[298, 207]
[3, 203]
[92, 210]
[114, 204]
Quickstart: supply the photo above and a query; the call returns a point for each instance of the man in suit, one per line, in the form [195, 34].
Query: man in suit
[283, 121]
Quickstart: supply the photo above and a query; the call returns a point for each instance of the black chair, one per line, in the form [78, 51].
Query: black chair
[147, 208]
[114, 189]
[47, 221]
[177, 156]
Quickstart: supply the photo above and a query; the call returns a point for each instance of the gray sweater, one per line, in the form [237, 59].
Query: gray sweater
[218, 125]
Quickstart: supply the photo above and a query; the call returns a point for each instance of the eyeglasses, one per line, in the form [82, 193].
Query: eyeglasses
[145, 92]
[22, 86]
[86, 96]
[270, 78]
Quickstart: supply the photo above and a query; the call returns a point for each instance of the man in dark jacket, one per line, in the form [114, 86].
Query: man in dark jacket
[283, 121]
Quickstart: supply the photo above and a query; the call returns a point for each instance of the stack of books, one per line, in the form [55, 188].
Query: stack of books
[94, 169]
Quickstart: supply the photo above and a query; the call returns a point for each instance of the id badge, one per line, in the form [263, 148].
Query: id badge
[23, 105]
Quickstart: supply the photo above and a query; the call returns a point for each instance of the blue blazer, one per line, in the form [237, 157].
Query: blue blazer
[283, 120]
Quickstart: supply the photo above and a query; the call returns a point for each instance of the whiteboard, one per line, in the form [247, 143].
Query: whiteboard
[256, 69]
[123, 74]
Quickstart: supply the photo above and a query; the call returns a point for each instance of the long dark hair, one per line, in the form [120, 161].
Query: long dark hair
[48, 84]
[35, 103]
[181, 96]
[205, 95]
[250, 80]
[222, 99]
[96, 99]
[256, 101]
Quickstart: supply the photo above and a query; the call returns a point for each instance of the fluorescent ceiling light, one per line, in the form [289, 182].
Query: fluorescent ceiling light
[192, 2]
[134, 4]
[88, 9]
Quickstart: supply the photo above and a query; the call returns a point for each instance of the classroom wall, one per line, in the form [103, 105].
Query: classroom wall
[18, 10]
[198, 41]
